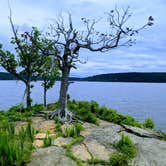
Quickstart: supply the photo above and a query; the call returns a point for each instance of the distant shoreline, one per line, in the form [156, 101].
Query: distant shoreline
[132, 77]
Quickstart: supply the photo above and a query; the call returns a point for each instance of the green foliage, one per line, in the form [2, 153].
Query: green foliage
[47, 141]
[52, 106]
[90, 111]
[95, 161]
[126, 146]
[58, 126]
[26, 64]
[49, 73]
[73, 131]
[83, 110]
[37, 108]
[163, 135]
[15, 149]
[119, 159]
[149, 123]
[126, 151]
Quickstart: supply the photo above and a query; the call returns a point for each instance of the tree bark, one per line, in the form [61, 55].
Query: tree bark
[45, 95]
[28, 92]
[63, 91]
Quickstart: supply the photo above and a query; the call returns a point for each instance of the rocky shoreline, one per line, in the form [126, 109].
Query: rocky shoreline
[97, 143]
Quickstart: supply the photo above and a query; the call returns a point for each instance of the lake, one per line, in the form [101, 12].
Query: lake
[140, 100]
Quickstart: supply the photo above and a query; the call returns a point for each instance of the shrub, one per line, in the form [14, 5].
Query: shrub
[126, 146]
[90, 111]
[52, 106]
[37, 108]
[128, 120]
[83, 111]
[119, 159]
[149, 123]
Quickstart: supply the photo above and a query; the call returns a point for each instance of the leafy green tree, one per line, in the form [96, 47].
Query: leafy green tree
[25, 63]
[49, 75]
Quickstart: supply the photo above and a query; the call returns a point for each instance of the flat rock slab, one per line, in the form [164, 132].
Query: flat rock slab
[81, 151]
[151, 151]
[42, 125]
[51, 156]
[142, 132]
[97, 150]
[60, 141]
[38, 143]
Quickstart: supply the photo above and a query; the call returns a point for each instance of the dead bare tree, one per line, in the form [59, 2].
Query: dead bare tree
[66, 41]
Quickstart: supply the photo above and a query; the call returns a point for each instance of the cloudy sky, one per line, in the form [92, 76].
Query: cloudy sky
[147, 55]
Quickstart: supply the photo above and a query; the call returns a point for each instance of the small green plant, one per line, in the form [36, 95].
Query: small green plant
[30, 131]
[73, 131]
[58, 126]
[126, 146]
[119, 159]
[149, 123]
[47, 140]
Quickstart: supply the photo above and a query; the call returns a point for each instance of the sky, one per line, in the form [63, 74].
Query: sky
[147, 55]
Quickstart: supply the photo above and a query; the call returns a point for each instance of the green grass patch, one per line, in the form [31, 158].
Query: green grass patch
[119, 159]
[47, 141]
[126, 146]
[73, 131]
[15, 149]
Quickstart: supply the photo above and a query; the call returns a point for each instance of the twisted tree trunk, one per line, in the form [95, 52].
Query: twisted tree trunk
[64, 115]
[63, 91]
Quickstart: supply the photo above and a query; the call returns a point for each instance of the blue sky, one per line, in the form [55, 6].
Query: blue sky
[147, 55]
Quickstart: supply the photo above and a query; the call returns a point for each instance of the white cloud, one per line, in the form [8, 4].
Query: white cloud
[148, 54]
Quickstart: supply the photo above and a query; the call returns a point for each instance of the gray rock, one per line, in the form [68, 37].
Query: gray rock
[142, 132]
[51, 156]
[98, 143]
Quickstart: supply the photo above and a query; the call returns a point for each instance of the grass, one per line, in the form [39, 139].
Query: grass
[47, 141]
[73, 131]
[84, 110]
[119, 159]
[15, 149]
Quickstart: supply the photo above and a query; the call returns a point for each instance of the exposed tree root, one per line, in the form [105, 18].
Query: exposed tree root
[68, 116]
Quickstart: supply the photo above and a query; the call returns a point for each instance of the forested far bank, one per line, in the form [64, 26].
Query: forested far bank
[156, 77]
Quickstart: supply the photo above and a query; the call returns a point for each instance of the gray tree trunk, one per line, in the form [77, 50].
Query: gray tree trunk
[28, 92]
[63, 91]
[45, 95]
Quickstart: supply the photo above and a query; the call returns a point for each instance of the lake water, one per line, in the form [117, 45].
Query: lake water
[140, 100]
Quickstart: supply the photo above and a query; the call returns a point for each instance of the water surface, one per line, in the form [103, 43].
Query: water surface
[140, 100]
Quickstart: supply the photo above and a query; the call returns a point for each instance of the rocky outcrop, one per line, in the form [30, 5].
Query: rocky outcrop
[98, 144]
[51, 156]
